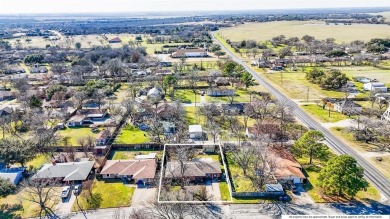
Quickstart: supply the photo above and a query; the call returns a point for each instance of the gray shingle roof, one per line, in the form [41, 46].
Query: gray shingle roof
[72, 171]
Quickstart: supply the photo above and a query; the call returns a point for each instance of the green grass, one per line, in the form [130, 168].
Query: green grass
[363, 147]
[225, 193]
[342, 33]
[28, 209]
[191, 116]
[187, 96]
[129, 155]
[113, 194]
[38, 161]
[73, 134]
[215, 157]
[132, 135]
[318, 195]
[323, 114]
[241, 95]
[240, 181]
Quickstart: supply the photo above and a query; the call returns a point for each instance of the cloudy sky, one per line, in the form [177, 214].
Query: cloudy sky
[60, 6]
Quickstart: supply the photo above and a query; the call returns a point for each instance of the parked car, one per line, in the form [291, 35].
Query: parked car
[77, 189]
[65, 192]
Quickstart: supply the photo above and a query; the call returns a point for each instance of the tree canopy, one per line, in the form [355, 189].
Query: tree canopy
[14, 150]
[342, 175]
[310, 145]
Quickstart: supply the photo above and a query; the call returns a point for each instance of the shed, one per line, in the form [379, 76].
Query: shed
[195, 131]
[14, 175]
[273, 187]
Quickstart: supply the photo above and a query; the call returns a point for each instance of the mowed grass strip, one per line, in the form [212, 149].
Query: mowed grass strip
[111, 194]
[323, 114]
[132, 135]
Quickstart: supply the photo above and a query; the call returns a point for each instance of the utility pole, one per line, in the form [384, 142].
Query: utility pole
[307, 97]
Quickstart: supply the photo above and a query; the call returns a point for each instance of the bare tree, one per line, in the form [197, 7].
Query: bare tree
[41, 192]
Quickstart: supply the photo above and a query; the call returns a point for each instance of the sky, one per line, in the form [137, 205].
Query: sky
[72, 6]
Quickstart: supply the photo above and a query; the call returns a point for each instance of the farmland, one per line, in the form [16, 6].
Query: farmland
[318, 29]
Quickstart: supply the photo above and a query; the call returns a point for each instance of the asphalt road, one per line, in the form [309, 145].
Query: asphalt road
[372, 174]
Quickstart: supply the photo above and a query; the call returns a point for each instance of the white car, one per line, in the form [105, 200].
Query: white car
[65, 192]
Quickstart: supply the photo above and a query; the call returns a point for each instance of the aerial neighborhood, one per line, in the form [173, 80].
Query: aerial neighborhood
[195, 117]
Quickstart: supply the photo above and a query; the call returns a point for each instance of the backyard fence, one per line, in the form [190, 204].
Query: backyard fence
[256, 194]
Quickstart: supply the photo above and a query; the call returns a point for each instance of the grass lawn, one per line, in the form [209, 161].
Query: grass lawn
[215, 157]
[318, 29]
[295, 85]
[363, 147]
[240, 182]
[225, 193]
[111, 193]
[132, 135]
[317, 193]
[38, 161]
[186, 96]
[241, 95]
[28, 209]
[73, 134]
[323, 114]
[129, 155]
[192, 117]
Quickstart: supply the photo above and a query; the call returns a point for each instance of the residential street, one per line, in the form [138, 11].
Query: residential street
[373, 175]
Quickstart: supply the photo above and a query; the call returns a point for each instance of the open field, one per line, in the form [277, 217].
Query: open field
[106, 194]
[385, 14]
[342, 33]
[26, 208]
[73, 134]
[132, 135]
[323, 114]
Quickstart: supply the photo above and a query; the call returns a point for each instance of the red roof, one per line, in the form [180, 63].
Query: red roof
[116, 39]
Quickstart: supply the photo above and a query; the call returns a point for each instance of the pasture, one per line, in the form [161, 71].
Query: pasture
[318, 29]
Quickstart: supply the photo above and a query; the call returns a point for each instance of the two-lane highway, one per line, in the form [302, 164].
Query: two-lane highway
[372, 174]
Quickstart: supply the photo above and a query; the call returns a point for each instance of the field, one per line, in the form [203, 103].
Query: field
[385, 14]
[73, 134]
[323, 114]
[106, 194]
[318, 29]
[132, 135]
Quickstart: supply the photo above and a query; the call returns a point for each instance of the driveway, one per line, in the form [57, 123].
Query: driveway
[64, 206]
[142, 195]
[212, 189]
[301, 197]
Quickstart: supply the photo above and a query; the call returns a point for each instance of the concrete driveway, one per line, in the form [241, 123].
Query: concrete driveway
[65, 205]
[212, 189]
[142, 195]
[301, 197]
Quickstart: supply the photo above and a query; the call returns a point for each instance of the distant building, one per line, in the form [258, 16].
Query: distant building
[220, 92]
[195, 131]
[375, 87]
[6, 95]
[386, 115]
[14, 175]
[348, 107]
[40, 69]
[5, 111]
[115, 40]
[103, 137]
[189, 53]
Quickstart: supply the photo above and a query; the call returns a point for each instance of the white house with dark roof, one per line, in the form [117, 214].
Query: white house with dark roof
[348, 107]
[189, 53]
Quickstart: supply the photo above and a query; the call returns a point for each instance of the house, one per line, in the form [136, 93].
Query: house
[76, 121]
[288, 169]
[209, 148]
[14, 175]
[154, 93]
[262, 130]
[195, 131]
[220, 92]
[70, 172]
[41, 69]
[6, 95]
[386, 115]
[221, 81]
[233, 109]
[103, 137]
[5, 111]
[348, 107]
[189, 53]
[141, 171]
[168, 127]
[93, 114]
[115, 40]
[195, 170]
[375, 87]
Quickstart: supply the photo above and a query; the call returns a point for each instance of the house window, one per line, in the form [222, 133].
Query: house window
[108, 175]
[215, 175]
